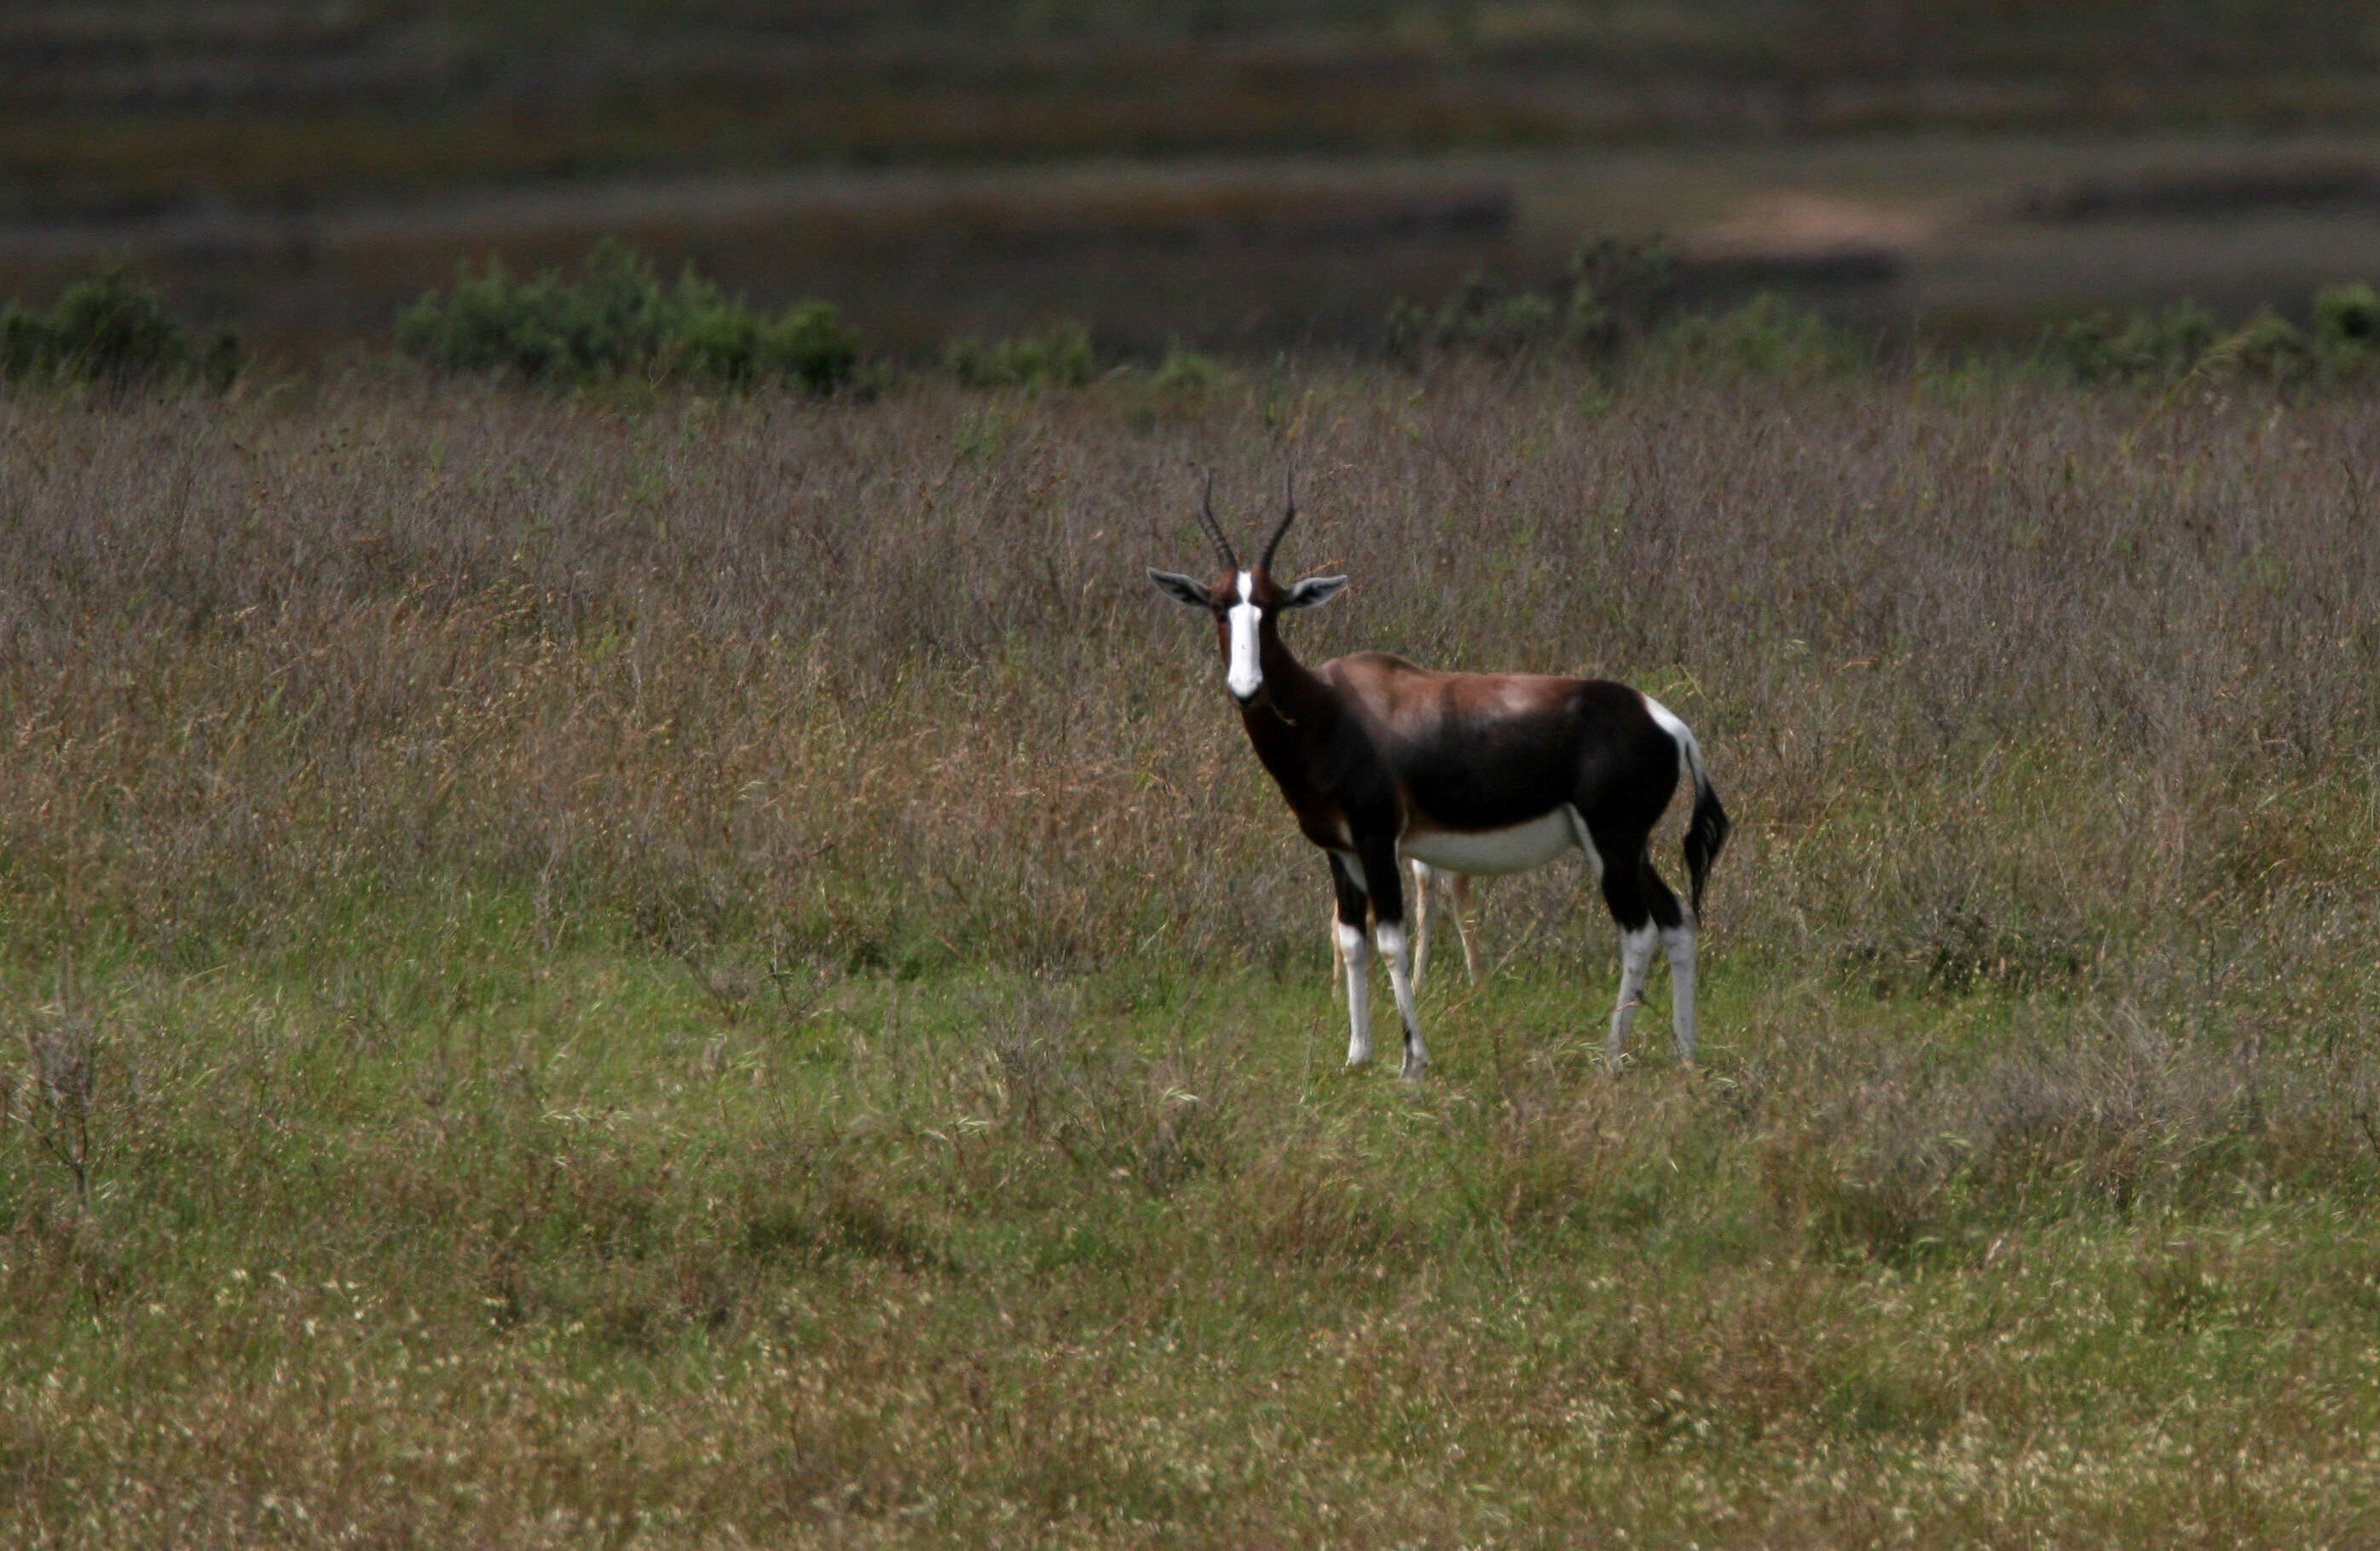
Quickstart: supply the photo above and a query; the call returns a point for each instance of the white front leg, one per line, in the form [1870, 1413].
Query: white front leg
[1393, 948]
[1635, 962]
[1352, 950]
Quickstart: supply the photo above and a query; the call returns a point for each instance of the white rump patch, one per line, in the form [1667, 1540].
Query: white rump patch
[1479, 851]
[1244, 677]
[1666, 717]
[1680, 733]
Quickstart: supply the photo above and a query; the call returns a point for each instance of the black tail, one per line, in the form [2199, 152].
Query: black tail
[1706, 825]
[1705, 834]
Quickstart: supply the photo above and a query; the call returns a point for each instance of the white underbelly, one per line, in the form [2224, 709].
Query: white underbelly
[1517, 848]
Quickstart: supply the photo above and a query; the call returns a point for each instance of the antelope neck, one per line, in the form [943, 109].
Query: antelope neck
[1292, 696]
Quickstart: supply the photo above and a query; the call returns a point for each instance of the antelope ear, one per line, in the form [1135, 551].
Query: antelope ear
[1181, 590]
[1311, 591]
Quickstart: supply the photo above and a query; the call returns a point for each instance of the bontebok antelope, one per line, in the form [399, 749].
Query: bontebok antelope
[1473, 772]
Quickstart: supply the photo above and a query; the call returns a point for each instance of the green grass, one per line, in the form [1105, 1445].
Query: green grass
[674, 971]
[467, 1241]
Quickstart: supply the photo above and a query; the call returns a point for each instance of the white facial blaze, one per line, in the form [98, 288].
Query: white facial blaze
[1244, 678]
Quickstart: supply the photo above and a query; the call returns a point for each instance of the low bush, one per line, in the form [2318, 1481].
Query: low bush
[1620, 306]
[2268, 345]
[1059, 357]
[1620, 289]
[1481, 317]
[111, 329]
[2343, 346]
[1622, 303]
[1767, 335]
[1187, 372]
[2347, 330]
[619, 318]
[2107, 346]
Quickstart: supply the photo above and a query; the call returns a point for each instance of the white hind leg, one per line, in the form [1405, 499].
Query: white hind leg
[1393, 948]
[1635, 962]
[1678, 942]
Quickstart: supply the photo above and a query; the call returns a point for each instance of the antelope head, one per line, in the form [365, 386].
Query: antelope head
[1244, 600]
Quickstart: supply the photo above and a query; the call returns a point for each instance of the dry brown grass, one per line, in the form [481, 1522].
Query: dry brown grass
[684, 972]
[2024, 687]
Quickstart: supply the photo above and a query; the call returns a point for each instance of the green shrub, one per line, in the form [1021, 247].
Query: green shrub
[619, 318]
[806, 344]
[111, 329]
[2344, 343]
[547, 330]
[2145, 346]
[2268, 346]
[1482, 318]
[28, 343]
[722, 343]
[1058, 357]
[2347, 330]
[1187, 371]
[1620, 289]
[1766, 336]
[2085, 346]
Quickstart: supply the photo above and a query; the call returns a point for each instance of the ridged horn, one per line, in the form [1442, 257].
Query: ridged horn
[1215, 529]
[1288, 515]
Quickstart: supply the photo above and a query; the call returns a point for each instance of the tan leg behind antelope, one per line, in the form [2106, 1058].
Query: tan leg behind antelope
[1420, 912]
[1462, 929]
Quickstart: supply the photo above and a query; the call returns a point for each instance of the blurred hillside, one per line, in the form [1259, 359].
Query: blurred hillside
[298, 165]
[116, 108]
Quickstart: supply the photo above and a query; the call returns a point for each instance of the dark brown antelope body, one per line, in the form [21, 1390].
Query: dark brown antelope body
[1380, 759]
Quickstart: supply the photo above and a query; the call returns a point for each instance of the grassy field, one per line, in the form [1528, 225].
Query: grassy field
[653, 971]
